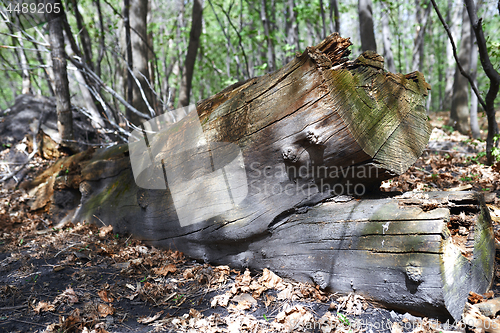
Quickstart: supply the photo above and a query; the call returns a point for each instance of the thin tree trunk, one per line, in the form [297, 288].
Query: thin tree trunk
[101, 38]
[84, 36]
[130, 61]
[142, 94]
[271, 57]
[26, 83]
[334, 16]
[63, 104]
[386, 38]
[474, 124]
[459, 113]
[290, 26]
[44, 69]
[418, 45]
[194, 42]
[26, 87]
[323, 21]
[453, 17]
[366, 26]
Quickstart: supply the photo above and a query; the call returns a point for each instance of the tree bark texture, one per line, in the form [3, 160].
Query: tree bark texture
[366, 31]
[474, 122]
[194, 42]
[129, 60]
[64, 113]
[141, 100]
[422, 17]
[459, 113]
[386, 38]
[271, 56]
[453, 17]
[334, 16]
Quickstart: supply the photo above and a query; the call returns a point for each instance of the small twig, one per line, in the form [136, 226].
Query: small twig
[27, 322]
[99, 219]
[13, 307]
[67, 248]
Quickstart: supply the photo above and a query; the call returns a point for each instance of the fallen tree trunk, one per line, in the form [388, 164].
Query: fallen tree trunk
[239, 180]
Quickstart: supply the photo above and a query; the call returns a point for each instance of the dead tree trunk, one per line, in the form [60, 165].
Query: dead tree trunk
[248, 179]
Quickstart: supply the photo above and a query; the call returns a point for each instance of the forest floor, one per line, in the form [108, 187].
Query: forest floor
[85, 278]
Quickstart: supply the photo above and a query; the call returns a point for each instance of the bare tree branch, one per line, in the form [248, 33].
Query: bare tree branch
[492, 74]
[460, 68]
[240, 41]
[98, 80]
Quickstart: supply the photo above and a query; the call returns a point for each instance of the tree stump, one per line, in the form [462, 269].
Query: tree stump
[307, 133]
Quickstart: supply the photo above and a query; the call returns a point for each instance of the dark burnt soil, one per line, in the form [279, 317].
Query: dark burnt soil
[85, 277]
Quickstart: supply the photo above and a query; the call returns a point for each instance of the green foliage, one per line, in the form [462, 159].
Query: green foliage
[233, 38]
[448, 128]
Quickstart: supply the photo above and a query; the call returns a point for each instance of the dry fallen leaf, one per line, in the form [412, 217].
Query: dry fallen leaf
[105, 310]
[104, 231]
[245, 301]
[221, 300]
[68, 295]
[353, 304]
[221, 272]
[103, 294]
[170, 268]
[268, 300]
[43, 307]
[271, 280]
[188, 274]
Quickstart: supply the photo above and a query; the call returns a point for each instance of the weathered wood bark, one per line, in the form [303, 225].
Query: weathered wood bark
[320, 113]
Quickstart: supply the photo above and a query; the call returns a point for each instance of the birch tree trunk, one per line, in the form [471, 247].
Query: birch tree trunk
[386, 37]
[422, 17]
[271, 57]
[453, 15]
[474, 123]
[459, 113]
